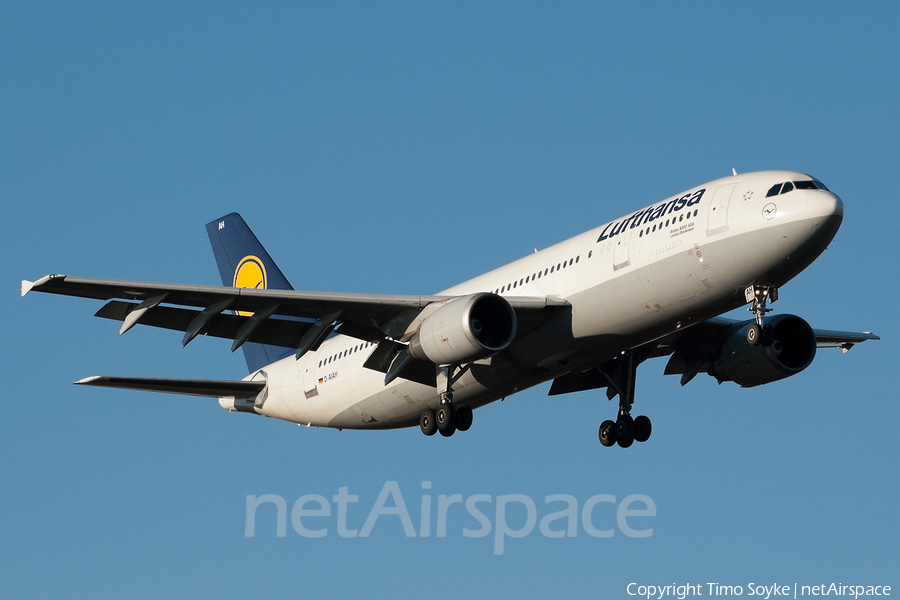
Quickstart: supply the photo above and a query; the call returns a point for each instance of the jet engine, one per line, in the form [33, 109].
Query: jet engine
[465, 329]
[788, 347]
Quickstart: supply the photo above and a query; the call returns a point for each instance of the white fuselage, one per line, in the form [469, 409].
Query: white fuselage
[630, 281]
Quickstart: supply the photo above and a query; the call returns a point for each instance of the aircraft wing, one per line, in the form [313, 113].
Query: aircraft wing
[691, 350]
[712, 330]
[285, 318]
[841, 339]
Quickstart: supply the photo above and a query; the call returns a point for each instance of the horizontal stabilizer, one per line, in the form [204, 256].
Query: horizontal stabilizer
[212, 388]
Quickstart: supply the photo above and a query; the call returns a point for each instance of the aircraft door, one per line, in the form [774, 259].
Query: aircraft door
[718, 209]
[621, 257]
[310, 383]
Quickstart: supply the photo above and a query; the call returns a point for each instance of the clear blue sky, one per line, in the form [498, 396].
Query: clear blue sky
[402, 148]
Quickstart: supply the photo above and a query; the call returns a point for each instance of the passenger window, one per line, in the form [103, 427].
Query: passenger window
[787, 187]
[774, 190]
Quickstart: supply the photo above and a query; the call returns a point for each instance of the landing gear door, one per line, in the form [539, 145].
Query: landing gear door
[718, 209]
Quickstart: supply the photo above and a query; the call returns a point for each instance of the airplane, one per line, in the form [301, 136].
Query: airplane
[583, 314]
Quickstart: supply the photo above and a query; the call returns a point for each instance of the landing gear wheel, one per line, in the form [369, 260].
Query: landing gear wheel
[463, 418]
[642, 428]
[607, 433]
[448, 431]
[445, 417]
[625, 431]
[427, 422]
[768, 335]
[754, 334]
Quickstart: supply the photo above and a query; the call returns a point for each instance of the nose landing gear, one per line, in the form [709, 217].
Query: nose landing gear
[759, 333]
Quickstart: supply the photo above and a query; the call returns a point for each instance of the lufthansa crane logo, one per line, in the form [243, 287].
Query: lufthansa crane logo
[250, 273]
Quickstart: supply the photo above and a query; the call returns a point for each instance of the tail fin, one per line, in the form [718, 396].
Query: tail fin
[243, 262]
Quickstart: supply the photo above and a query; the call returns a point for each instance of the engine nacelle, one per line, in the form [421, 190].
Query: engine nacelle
[465, 329]
[792, 349]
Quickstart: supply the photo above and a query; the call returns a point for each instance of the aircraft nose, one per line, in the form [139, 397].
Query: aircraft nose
[823, 205]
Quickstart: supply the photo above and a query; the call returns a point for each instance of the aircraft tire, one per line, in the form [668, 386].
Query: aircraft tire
[754, 334]
[642, 428]
[448, 431]
[768, 335]
[624, 441]
[427, 422]
[607, 433]
[463, 418]
[445, 417]
[625, 431]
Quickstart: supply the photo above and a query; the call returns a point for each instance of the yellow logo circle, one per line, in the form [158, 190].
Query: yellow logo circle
[250, 273]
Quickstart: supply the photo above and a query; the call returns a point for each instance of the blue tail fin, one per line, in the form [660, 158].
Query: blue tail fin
[243, 262]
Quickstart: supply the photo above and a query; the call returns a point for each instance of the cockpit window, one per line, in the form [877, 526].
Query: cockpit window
[784, 188]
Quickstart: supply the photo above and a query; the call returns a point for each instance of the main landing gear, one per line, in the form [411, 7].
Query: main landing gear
[759, 333]
[625, 430]
[448, 418]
